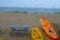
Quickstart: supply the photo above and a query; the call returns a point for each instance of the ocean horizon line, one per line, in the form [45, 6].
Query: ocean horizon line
[24, 9]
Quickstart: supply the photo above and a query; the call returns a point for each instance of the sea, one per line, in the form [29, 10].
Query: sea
[25, 9]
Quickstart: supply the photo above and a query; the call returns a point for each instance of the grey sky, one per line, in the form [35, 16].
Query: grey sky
[31, 3]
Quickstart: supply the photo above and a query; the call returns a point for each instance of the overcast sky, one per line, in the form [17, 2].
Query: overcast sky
[30, 3]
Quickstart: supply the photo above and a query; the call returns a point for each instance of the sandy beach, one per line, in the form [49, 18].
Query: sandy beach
[32, 19]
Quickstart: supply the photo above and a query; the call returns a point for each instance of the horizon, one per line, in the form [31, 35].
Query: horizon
[28, 7]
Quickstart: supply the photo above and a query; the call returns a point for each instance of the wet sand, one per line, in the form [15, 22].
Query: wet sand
[32, 19]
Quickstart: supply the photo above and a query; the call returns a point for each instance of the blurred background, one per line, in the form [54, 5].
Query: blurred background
[19, 16]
